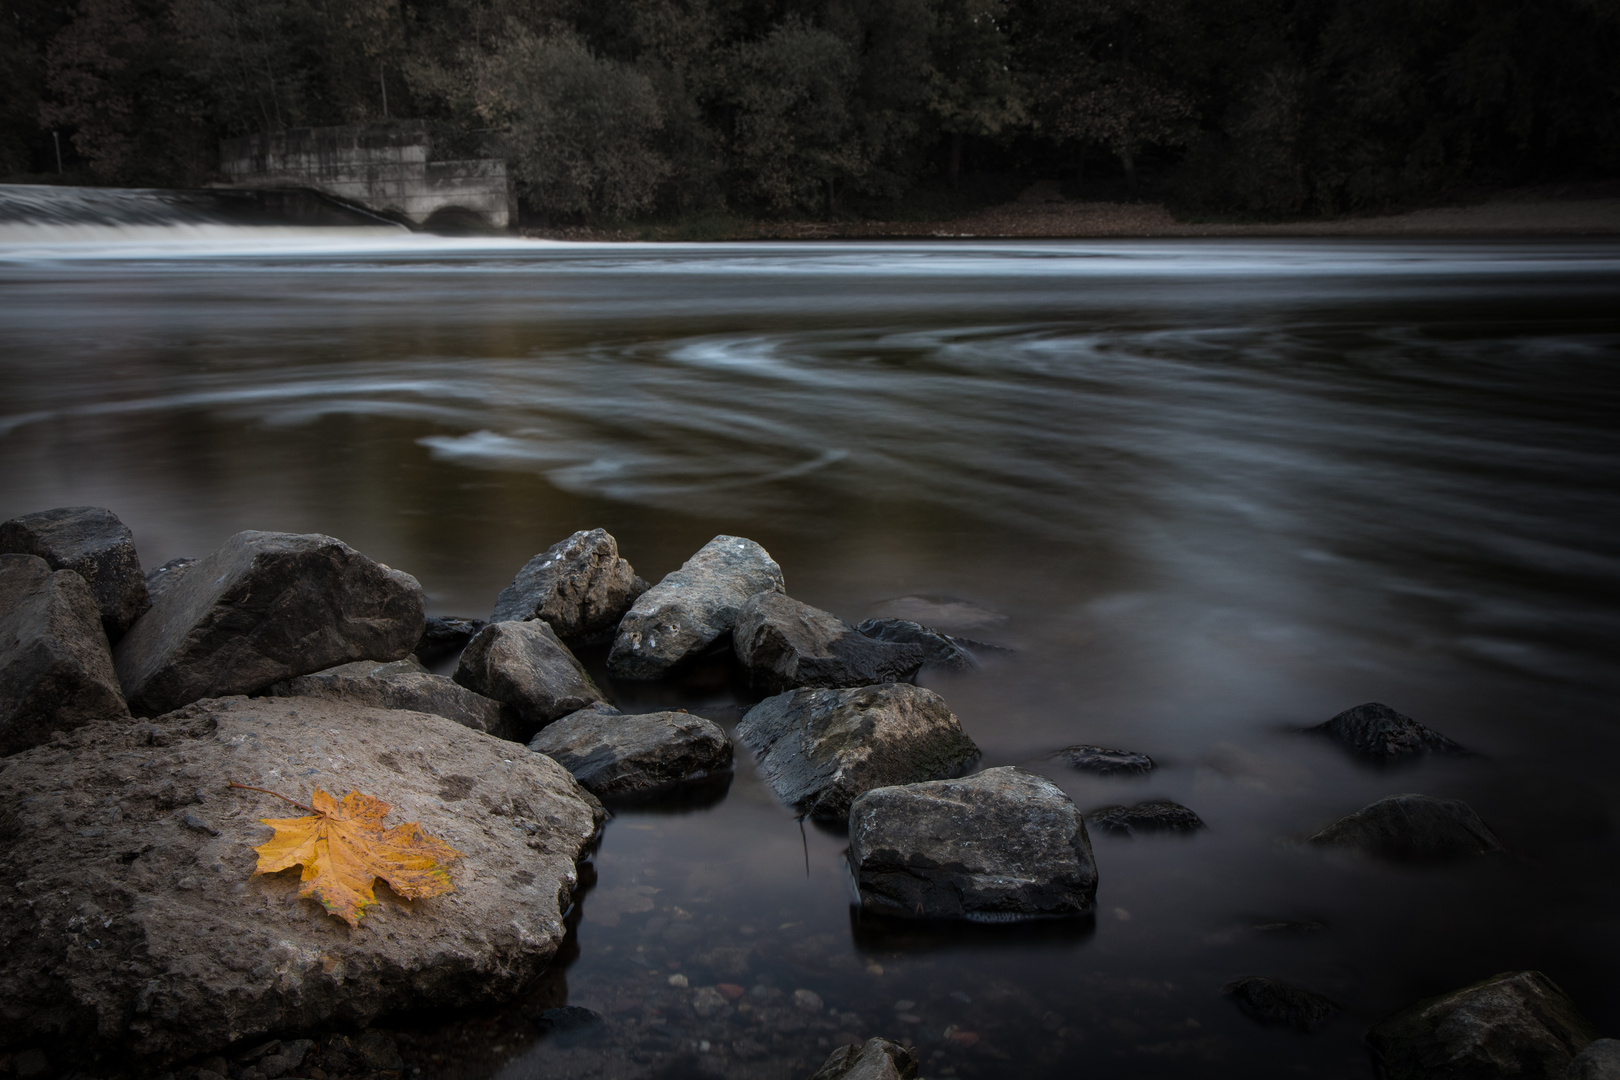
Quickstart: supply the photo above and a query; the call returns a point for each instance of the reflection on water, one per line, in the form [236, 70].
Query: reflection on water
[1217, 491]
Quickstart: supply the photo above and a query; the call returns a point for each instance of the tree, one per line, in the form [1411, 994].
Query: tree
[970, 85]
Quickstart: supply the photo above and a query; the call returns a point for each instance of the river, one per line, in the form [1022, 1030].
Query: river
[1207, 493]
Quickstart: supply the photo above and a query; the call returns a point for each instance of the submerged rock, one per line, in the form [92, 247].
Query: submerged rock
[688, 611]
[579, 586]
[402, 684]
[786, 644]
[168, 575]
[1599, 1061]
[55, 670]
[819, 749]
[614, 755]
[1145, 817]
[1004, 844]
[1273, 1002]
[1413, 828]
[876, 1059]
[444, 636]
[939, 650]
[524, 665]
[146, 936]
[948, 613]
[1518, 1023]
[1106, 762]
[264, 607]
[1379, 732]
[94, 544]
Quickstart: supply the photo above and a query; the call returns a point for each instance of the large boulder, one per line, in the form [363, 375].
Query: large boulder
[93, 543]
[1599, 1061]
[579, 586]
[403, 684]
[523, 665]
[1379, 732]
[55, 670]
[876, 1059]
[786, 644]
[1416, 828]
[1517, 1024]
[265, 607]
[1004, 844]
[616, 756]
[133, 925]
[687, 612]
[819, 749]
[939, 649]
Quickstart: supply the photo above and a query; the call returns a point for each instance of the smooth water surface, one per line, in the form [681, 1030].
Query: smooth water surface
[1210, 493]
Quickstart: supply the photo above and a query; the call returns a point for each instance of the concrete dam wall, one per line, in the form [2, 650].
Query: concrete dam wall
[383, 167]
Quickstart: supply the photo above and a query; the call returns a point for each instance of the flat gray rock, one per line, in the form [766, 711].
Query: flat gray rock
[819, 749]
[402, 684]
[159, 581]
[998, 846]
[1105, 762]
[1599, 1061]
[1515, 1024]
[1379, 732]
[1145, 817]
[523, 665]
[615, 756]
[265, 607]
[135, 927]
[1417, 828]
[786, 645]
[687, 612]
[93, 543]
[875, 1059]
[55, 670]
[1271, 1001]
[939, 650]
[580, 586]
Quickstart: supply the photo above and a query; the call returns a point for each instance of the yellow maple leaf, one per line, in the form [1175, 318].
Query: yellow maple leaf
[344, 848]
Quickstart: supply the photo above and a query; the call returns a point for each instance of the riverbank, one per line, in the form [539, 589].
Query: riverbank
[1043, 212]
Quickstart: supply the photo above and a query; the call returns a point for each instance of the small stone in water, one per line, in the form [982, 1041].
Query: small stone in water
[729, 991]
[807, 1001]
[707, 1001]
[874, 969]
[679, 980]
[904, 1005]
[907, 1018]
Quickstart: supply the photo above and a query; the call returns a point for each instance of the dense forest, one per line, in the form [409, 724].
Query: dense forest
[620, 109]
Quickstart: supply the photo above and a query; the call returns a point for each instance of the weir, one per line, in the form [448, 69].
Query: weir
[386, 168]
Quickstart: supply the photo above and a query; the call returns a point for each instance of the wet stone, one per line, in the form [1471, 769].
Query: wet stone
[785, 644]
[615, 756]
[1145, 817]
[877, 1059]
[939, 650]
[1378, 732]
[1271, 1001]
[1414, 828]
[1106, 762]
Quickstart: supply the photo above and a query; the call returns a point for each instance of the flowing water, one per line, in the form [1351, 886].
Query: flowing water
[1208, 493]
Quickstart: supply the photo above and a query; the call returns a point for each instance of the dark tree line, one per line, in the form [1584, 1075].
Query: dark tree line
[615, 109]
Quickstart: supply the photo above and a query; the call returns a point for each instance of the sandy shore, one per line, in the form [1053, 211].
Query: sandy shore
[1042, 211]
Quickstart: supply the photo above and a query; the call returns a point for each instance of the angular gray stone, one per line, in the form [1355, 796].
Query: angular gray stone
[55, 670]
[998, 846]
[786, 645]
[402, 684]
[1517, 1024]
[580, 586]
[614, 755]
[444, 636]
[819, 749]
[1412, 828]
[1145, 817]
[1106, 762]
[523, 665]
[688, 611]
[168, 575]
[93, 543]
[876, 1059]
[1599, 1061]
[1271, 1001]
[136, 936]
[265, 607]
[1379, 732]
[939, 649]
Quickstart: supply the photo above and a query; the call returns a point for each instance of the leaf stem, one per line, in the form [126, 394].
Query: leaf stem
[277, 794]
